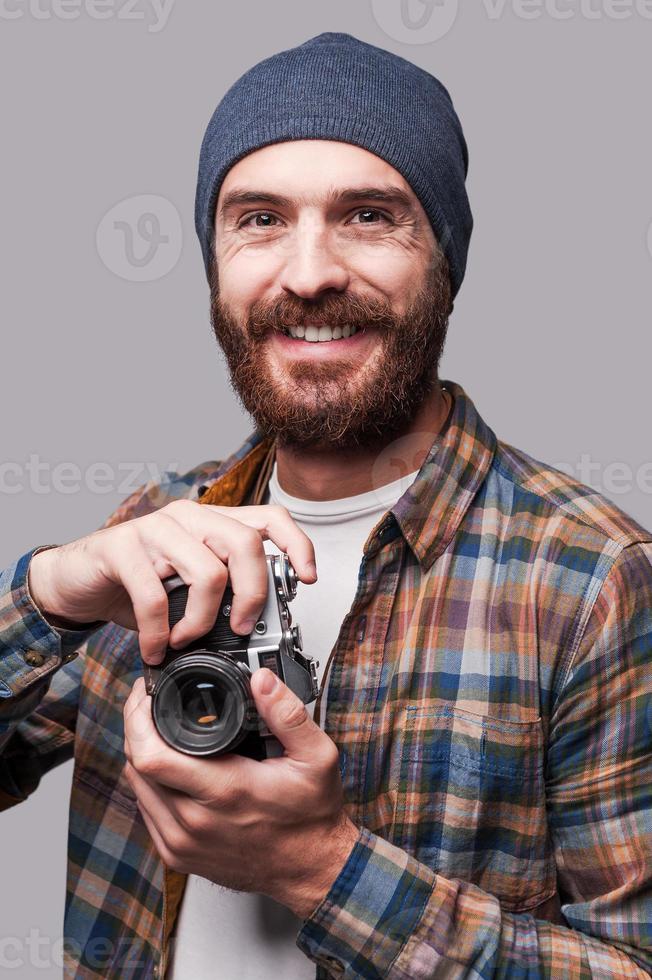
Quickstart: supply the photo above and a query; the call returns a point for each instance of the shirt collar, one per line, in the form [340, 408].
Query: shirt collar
[432, 508]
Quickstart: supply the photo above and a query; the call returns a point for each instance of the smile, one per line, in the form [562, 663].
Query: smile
[313, 334]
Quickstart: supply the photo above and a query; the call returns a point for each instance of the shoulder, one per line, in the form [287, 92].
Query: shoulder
[554, 503]
[172, 485]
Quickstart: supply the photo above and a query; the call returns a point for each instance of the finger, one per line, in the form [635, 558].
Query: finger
[238, 546]
[247, 570]
[197, 564]
[275, 523]
[165, 804]
[286, 717]
[137, 694]
[152, 828]
[159, 801]
[223, 777]
[143, 746]
[148, 600]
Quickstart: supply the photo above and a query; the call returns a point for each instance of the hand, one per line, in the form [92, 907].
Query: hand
[276, 827]
[115, 573]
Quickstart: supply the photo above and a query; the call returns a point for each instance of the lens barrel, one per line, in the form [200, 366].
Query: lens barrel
[203, 704]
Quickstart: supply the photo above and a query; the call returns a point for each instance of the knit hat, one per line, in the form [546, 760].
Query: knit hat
[336, 87]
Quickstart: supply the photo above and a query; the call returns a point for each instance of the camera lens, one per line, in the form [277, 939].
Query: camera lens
[201, 704]
[204, 704]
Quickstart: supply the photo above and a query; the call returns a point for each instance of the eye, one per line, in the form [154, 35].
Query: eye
[368, 216]
[262, 219]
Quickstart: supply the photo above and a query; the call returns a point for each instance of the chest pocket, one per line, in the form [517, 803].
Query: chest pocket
[471, 802]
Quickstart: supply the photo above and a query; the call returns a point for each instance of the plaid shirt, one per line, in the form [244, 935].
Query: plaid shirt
[490, 695]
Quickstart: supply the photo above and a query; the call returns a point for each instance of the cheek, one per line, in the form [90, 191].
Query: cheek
[389, 272]
[248, 275]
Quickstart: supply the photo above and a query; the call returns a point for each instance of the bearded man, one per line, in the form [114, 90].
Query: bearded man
[469, 794]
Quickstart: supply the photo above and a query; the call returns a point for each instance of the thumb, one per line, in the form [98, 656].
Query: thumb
[286, 717]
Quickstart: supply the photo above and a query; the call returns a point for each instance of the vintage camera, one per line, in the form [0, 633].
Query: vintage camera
[201, 697]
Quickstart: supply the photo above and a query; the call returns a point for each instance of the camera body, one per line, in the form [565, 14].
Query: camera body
[201, 696]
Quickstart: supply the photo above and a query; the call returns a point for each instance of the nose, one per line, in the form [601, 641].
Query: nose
[312, 263]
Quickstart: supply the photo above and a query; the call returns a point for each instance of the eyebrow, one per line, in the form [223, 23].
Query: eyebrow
[383, 195]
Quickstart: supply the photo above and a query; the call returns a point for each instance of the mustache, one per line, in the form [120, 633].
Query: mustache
[336, 311]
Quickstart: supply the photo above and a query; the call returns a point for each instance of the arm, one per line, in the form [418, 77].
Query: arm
[114, 575]
[39, 681]
[387, 915]
[39, 677]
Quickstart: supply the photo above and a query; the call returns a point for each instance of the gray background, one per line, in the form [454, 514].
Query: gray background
[551, 331]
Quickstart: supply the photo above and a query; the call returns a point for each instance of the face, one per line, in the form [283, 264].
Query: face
[330, 296]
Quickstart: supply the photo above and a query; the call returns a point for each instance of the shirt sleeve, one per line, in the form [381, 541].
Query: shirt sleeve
[388, 915]
[40, 669]
[37, 717]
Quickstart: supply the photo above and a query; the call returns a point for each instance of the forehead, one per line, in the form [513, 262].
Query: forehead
[310, 171]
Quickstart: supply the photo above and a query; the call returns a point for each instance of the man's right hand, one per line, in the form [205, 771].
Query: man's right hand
[115, 574]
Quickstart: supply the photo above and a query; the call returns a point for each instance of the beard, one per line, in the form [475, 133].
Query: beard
[336, 404]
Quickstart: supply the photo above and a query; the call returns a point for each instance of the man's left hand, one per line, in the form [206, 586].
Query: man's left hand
[276, 827]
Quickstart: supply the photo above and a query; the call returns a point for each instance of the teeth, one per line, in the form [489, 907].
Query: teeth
[315, 334]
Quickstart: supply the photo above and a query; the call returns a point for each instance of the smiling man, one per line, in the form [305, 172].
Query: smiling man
[345, 296]
[469, 794]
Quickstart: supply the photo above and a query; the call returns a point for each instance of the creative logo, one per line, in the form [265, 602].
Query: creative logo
[415, 21]
[140, 238]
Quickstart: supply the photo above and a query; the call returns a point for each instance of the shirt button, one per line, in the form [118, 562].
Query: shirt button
[34, 658]
[68, 657]
[156, 972]
[334, 965]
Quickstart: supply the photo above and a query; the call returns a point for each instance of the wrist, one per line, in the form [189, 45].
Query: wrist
[38, 578]
[39, 588]
[330, 859]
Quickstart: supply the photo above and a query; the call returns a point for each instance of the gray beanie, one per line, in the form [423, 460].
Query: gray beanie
[336, 87]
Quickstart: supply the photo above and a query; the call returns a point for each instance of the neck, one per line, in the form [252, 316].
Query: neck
[330, 475]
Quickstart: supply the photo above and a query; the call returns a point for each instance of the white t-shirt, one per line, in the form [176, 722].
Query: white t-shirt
[227, 935]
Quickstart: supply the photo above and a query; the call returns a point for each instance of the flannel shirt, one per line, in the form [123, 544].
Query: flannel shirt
[490, 696]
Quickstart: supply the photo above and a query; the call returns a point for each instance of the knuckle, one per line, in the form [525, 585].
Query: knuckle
[226, 795]
[126, 531]
[118, 541]
[154, 601]
[182, 506]
[215, 577]
[135, 760]
[292, 713]
[200, 621]
[251, 539]
[147, 764]
[256, 598]
[193, 820]
[155, 637]
[331, 756]
[177, 840]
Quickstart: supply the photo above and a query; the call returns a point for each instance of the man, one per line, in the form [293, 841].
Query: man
[471, 796]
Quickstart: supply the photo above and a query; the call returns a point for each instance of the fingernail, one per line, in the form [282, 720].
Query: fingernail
[248, 625]
[311, 569]
[268, 682]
